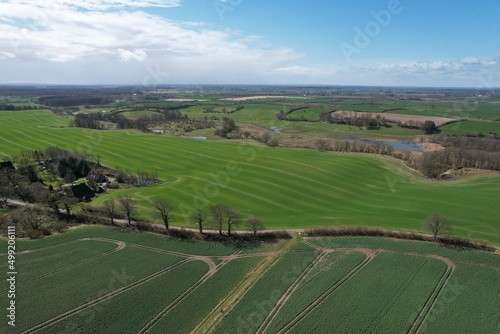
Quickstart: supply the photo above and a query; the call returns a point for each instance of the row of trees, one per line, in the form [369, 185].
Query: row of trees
[433, 164]
[361, 120]
[219, 216]
[95, 120]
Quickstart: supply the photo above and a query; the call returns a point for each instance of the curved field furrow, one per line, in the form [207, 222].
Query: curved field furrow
[431, 301]
[120, 246]
[248, 194]
[205, 259]
[369, 257]
[387, 307]
[280, 171]
[186, 293]
[279, 305]
[214, 319]
[112, 294]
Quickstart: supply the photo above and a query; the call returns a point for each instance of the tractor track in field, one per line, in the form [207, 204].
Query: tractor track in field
[186, 293]
[211, 321]
[388, 306]
[370, 255]
[434, 296]
[289, 292]
[432, 299]
[110, 295]
[120, 246]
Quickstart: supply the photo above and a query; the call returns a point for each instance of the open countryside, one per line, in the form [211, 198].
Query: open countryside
[249, 167]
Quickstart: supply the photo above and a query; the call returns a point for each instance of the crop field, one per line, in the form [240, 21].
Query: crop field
[472, 127]
[287, 188]
[100, 279]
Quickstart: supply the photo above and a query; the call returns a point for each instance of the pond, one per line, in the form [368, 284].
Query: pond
[399, 145]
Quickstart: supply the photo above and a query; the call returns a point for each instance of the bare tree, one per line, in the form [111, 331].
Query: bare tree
[53, 200]
[128, 206]
[437, 224]
[164, 212]
[31, 218]
[218, 215]
[322, 145]
[6, 188]
[198, 217]
[67, 202]
[255, 225]
[110, 209]
[233, 217]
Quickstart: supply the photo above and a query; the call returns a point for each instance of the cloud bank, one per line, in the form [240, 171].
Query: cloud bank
[118, 42]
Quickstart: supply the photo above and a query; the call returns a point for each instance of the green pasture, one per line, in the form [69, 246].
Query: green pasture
[472, 127]
[287, 188]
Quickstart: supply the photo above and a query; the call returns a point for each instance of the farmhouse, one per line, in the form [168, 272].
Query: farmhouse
[96, 177]
[82, 192]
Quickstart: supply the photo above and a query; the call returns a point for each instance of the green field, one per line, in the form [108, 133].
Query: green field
[472, 127]
[109, 280]
[287, 188]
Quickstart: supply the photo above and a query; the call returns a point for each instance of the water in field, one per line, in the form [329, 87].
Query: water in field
[199, 138]
[400, 145]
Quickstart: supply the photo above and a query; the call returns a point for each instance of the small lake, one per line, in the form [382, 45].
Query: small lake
[199, 138]
[400, 145]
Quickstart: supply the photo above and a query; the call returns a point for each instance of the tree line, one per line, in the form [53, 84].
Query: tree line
[219, 216]
[361, 120]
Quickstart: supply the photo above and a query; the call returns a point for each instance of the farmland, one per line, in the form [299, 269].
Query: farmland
[288, 188]
[310, 284]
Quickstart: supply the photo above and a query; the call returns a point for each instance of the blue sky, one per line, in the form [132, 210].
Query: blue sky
[342, 42]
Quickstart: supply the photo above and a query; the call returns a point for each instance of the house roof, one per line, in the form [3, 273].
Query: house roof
[81, 191]
[96, 176]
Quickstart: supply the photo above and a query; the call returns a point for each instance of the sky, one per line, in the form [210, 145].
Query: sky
[293, 42]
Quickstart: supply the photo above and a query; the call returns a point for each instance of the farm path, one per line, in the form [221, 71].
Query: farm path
[212, 271]
[431, 301]
[208, 324]
[282, 301]
[370, 255]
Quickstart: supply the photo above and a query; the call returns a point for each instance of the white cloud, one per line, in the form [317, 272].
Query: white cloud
[124, 43]
[138, 55]
[113, 41]
[7, 55]
[470, 60]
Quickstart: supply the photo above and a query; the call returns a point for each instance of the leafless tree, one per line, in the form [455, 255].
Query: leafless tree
[31, 218]
[6, 187]
[255, 225]
[198, 217]
[67, 202]
[437, 224]
[233, 217]
[164, 212]
[110, 209]
[218, 215]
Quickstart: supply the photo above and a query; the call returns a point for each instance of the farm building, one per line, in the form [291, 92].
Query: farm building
[96, 177]
[82, 192]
